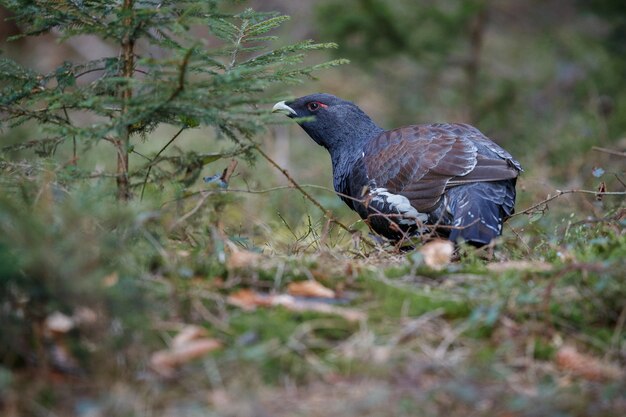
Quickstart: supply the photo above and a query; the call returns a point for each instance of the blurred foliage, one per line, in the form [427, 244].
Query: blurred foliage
[57, 251]
[373, 30]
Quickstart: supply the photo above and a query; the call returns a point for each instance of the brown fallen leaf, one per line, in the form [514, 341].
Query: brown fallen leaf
[241, 258]
[189, 344]
[585, 366]
[437, 253]
[293, 304]
[111, 279]
[84, 316]
[187, 334]
[248, 299]
[309, 289]
[164, 362]
[537, 266]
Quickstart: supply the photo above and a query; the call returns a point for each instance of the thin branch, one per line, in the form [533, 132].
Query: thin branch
[559, 193]
[608, 219]
[41, 115]
[192, 211]
[181, 76]
[150, 165]
[609, 151]
[67, 117]
[140, 154]
[32, 143]
[308, 196]
[89, 71]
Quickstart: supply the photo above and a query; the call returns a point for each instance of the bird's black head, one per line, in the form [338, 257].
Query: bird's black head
[338, 125]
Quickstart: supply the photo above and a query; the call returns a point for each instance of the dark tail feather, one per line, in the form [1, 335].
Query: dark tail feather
[476, 217]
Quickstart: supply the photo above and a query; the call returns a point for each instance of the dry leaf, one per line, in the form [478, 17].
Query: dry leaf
[241, 258]
[519, 265]
[437, 253]
[190, 343]
[309, 289]
[111, 279]
[187, 334]
[58, 322]
[84, 316]
[293, 304]
[585, 366]
[248, 299]
[165, 361]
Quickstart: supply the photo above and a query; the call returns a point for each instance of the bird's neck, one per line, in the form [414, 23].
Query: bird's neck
[350, 143]
[345, 156]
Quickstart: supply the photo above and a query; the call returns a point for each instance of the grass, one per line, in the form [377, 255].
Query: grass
[471, 339]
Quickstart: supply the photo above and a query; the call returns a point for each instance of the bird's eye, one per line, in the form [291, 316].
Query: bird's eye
[313, 106]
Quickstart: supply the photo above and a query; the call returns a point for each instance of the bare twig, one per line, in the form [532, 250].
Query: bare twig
[150, 164]
[559, 193]
[608, 219]
[192, 211]
[519, 237]
[609, 151]
[181, 75]
[67, 117]
[308, 196]
[32, 143]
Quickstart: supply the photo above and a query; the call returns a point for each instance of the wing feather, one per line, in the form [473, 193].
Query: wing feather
[421, 162]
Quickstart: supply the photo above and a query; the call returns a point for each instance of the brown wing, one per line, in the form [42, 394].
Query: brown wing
[421, 162]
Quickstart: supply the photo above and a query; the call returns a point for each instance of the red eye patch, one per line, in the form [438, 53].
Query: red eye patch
[316, 105]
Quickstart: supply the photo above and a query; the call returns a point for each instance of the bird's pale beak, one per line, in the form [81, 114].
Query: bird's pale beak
[281, 107]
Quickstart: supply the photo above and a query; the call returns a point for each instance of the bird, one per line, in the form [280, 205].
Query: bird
[447, 180]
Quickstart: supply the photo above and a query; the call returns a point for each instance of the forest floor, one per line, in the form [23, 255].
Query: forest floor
[126, 310]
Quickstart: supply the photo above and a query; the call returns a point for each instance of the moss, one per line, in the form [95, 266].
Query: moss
[393, 300]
